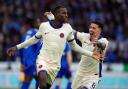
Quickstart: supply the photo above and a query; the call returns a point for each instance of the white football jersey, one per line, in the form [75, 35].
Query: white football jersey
[88, 66]
[53, 43]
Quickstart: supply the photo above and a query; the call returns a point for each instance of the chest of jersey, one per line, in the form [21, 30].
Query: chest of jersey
[88, 62]
[86, 44]
[51, 34]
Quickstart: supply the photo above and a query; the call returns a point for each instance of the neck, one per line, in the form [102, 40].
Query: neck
[56, 23]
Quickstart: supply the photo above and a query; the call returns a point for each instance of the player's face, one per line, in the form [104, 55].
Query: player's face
[94, 29]
[62, 15]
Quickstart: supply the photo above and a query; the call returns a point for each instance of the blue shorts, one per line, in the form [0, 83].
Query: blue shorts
[64, 72]
[30, 71]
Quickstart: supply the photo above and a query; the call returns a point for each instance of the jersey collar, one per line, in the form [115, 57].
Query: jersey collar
[51, 23]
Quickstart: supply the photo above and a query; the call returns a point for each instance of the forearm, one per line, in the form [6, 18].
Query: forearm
[27, 43]
[77, 48]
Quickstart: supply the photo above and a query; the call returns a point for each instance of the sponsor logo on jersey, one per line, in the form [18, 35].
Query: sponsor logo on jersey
[46, 33]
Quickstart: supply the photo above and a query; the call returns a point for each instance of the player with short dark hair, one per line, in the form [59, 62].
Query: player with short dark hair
[89, 70]
[55, 33]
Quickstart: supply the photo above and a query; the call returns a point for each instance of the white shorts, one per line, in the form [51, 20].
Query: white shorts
[43, 66]
[89, 82]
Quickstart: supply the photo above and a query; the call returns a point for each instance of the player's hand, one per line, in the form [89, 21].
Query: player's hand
[49, 15]
[96, 55]
[11, 51]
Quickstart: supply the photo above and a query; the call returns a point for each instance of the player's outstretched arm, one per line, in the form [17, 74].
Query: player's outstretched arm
[26, 43]
[77, 48]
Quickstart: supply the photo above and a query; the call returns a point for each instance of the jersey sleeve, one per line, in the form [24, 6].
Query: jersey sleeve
[76, 47]
[70, 37]
[71, 34]
[34, 39]
[38, 35]
[79, 36]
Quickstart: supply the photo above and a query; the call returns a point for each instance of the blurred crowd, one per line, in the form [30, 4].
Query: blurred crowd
[15, 14]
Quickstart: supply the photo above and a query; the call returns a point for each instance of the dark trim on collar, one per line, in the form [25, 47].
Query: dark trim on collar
[51, 23]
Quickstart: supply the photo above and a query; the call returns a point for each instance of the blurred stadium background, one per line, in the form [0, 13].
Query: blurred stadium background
[14, 18]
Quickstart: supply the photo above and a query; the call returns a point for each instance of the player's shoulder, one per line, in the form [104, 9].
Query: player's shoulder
[103, 39]
[86, 34]
[44, 24]
[67, 25]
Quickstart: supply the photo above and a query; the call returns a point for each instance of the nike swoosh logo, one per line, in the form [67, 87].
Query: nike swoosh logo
[46, 33]
[85, 42]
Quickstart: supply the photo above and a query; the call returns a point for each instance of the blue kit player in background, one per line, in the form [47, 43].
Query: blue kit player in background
[28, 57]
[65, 70]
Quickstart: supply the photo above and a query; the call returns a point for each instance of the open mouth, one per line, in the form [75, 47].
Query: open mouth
[91, 33]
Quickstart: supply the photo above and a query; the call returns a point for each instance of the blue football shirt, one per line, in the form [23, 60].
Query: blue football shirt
[29, 54]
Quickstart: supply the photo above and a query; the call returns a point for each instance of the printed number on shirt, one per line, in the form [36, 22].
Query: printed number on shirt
[93, 86]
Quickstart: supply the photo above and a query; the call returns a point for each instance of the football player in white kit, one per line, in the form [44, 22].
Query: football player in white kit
[55, 33]
[89, 70]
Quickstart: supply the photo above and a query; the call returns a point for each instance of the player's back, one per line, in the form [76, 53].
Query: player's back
[29, 54]
[54, 40]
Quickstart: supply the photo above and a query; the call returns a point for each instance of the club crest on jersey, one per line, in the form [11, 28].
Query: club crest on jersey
[40, 66]
[61, 35]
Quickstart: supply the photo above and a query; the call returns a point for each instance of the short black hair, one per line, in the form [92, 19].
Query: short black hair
[56, 8]
[98, 23]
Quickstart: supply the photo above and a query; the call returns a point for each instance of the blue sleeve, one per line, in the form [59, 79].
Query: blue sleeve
[67, 49]
[25, 36]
